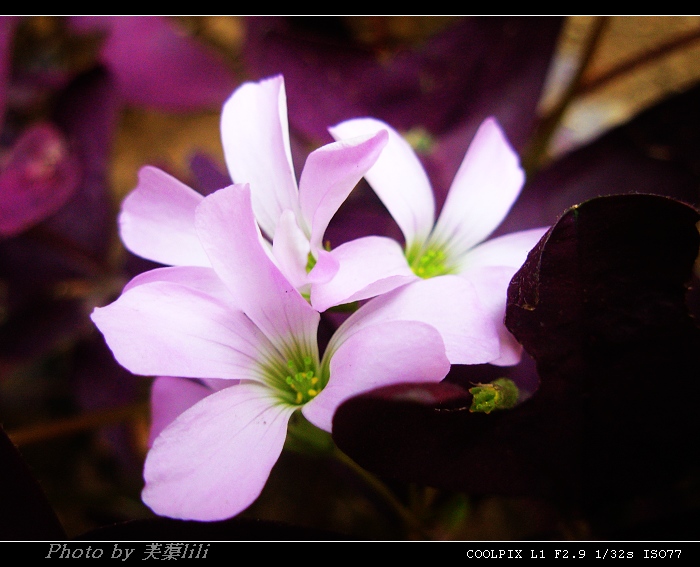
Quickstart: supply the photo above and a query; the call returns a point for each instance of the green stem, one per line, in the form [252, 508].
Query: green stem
[411, 523]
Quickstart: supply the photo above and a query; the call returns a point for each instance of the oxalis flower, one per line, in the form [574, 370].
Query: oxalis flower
[485, 187]
[247, 337]
[157, 217]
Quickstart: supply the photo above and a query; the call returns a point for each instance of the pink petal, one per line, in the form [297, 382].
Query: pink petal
[491, 284]
[325, 269]
[486, 185]
[255, 137]
[213, 461]
[167, 329]
[196, 277]
[329, 175]
[368, 266]
[379, 355]
[291, 249]
[507, 250]
[157, 220]
[398, 178]
[228, 232]
[169, 398]
[448, 303]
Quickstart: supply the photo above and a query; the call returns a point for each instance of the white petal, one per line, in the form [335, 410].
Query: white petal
[255, 137]
[165, 329]
[507, 250]
[486, 185]
[213, 461]
[228, 232]
[195, 277]
[448, 303]
[171, 397]
[398, 178]
[379, 355]
[330, 173]
[491, 284]
[157, 220]
[368, 266]
[291, 250]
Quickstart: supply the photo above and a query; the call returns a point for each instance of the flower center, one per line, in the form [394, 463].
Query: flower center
[303, 383]
[429, 263]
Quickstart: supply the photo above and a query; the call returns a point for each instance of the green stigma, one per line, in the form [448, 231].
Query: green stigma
[310, 262]
[499, 394]
[429, 263]
[304, 384]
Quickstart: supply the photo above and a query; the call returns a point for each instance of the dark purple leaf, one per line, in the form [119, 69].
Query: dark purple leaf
[208, 174]
[600, 305]
[41, 325]
[157, 65]
[25, 513]
[87, 111]
[476, 67]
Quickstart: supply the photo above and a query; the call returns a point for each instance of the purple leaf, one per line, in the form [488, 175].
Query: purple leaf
[600, 305]
[155, 64]
[474, 68]
[40, 177]
[25, 513]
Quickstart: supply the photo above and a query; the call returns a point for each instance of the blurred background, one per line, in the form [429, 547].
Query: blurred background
[594, 105]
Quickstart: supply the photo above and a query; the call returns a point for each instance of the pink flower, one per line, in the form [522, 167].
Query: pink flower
[246, 333]
[157, 218]
[487, 184]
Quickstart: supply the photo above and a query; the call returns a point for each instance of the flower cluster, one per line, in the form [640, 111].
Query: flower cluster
[229, 325]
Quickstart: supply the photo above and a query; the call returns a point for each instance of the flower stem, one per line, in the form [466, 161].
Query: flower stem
[411, 523]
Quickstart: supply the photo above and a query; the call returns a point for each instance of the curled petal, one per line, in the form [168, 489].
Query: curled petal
[255, 137]
[368, 266]
[330, 173]
[486, 185]
[448, 303]
[167, 329]
[379, 355]
[157, 220]
[398, 178]
[325, 269]
[213, 461]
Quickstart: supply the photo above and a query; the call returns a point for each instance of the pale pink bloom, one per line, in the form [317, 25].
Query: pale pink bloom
[255, 138]
[485, 187]
[248, 337]
[157, 217]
